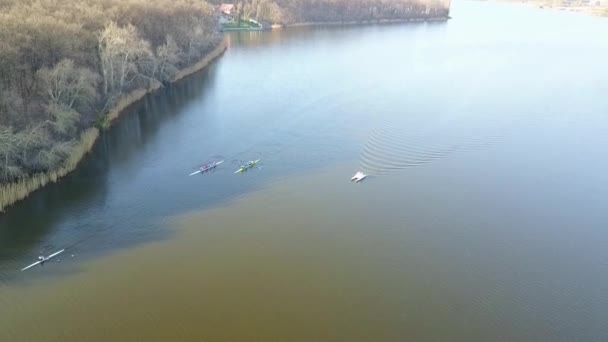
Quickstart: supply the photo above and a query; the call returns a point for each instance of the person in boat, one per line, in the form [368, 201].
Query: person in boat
[41, 259]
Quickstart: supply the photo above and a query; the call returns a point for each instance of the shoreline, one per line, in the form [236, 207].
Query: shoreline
[338, 23]
[14, 192]
[596, 11]
[360, 22]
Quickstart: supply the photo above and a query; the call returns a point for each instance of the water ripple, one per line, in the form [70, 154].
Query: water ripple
[413, 142]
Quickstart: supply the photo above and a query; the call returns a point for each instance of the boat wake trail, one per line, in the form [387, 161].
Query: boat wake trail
[392, 147]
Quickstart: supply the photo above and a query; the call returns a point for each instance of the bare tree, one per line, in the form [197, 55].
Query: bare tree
[32, 138]
[67, 86]
[8, 150]
[168, 57]
[48, 158]
[63, 119]
[124, 57]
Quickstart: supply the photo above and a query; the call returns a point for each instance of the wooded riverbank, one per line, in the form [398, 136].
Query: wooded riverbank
[67, 69]
[12, 192]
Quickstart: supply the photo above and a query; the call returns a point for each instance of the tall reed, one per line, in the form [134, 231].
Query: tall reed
[18, 190]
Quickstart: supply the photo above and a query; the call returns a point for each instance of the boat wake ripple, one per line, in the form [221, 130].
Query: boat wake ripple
[391, 148]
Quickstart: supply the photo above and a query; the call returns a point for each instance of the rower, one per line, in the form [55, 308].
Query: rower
[42, 259]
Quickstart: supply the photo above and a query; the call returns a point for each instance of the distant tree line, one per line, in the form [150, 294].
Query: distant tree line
[65, 62]
[301, 11]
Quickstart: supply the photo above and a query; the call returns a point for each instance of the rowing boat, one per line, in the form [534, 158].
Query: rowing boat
[359, 176]
[247, 167]
[44, 259]
[207, 167]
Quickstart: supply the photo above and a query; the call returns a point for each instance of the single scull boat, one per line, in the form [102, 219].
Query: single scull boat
[43, 259]
[359, 176]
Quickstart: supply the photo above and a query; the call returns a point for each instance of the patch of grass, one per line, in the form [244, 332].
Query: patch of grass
[245, 24]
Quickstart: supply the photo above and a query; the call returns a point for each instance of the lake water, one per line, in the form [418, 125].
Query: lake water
[484, 216]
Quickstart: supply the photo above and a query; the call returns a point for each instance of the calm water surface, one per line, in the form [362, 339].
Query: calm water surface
[483, 218]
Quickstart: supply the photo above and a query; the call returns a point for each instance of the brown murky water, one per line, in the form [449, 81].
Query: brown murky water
[483, 218]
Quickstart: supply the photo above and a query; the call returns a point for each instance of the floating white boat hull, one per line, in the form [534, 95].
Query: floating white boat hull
[45, 260]
[359, 176]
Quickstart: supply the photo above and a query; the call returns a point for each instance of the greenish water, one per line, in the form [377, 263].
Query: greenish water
[483, 217]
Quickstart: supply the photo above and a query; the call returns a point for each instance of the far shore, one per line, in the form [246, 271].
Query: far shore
[334, 23]
[599, 11]
[359, 22]
[362, 22]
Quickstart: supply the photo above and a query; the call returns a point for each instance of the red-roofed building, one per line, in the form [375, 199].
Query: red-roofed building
[227, 9]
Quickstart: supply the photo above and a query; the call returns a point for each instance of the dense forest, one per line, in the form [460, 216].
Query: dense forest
[303, 11]
[64, 63]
